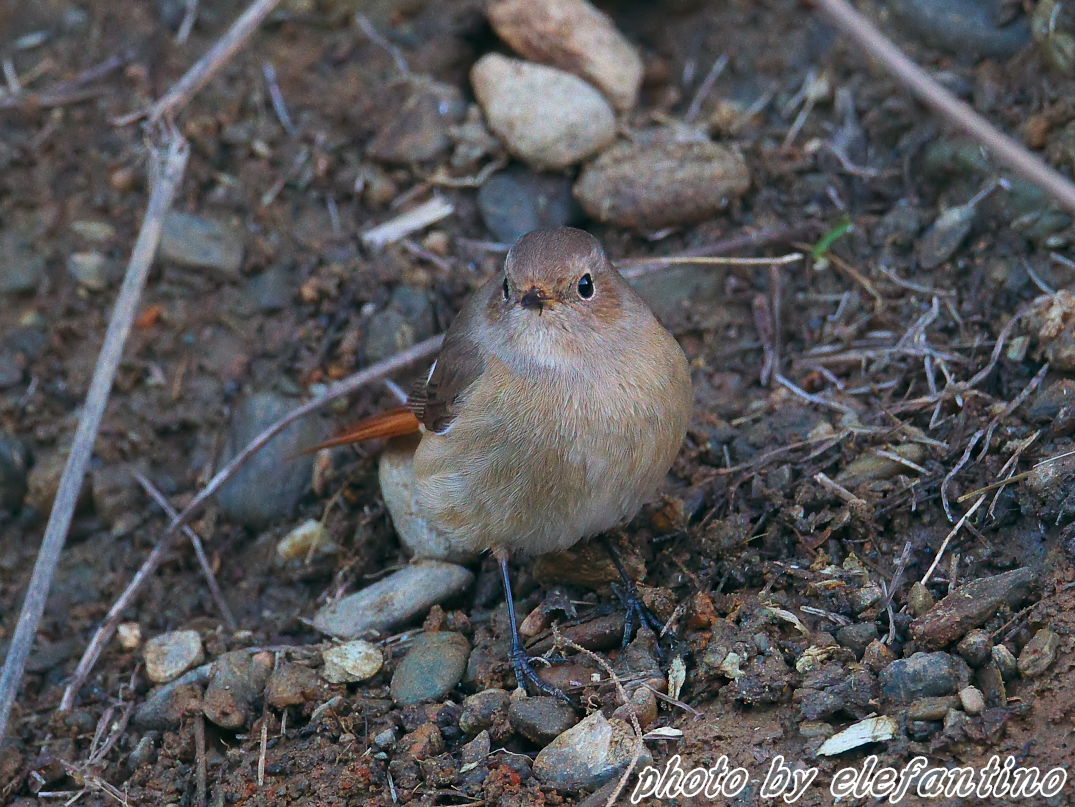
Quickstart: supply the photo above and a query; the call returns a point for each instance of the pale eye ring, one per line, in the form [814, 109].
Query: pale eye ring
[586, 286]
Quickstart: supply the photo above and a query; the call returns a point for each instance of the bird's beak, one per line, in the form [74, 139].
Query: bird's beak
[534, 298]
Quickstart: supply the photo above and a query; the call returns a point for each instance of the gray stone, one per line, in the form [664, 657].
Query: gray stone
[483, 709]
[21, 267]
[547, 118]
[963, 28]
[923, 675]
[393, 600]
[515, 201]
[269, 486]
[396, 475]
[541, 719]
[166, 706]
[434, 664]
[273, 289]
[972, 700]
[236, 682]
[201, 242]
[857, 636]
[406, 319]
[171, 654]
[933, 708]
[15, 459]
[976, 648]
[291, 684]
[352, 661]
[1038, 653]
[588, 754]
[92, 270]
[947, 234]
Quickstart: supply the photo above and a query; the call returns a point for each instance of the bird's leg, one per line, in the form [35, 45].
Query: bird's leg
[637, 610]
[520, 659]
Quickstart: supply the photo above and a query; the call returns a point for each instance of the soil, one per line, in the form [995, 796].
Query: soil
[872, 353]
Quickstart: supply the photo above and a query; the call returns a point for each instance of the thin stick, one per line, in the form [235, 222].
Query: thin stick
[199, 758]
[348, 385]
[196, 542]
[1004, 148]
[947, 539]
[791, 257]
[206, 67]
[169, 160]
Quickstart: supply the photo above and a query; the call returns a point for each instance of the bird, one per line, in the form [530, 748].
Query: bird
[553, 412]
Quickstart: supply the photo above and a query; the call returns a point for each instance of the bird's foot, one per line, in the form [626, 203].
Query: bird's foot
[523, 665]
[639, 614]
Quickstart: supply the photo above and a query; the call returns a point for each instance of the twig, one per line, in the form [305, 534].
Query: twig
[196, 542]
[199, 758]
[277, 98]
[370, 30]
[190, 15]
[955, 470]
[263, 748]
[206, 67]
[704, 88]
[374, 372]
[169, 162]
[429, 212]
[1004, 148]
[709, 260]
[67, 92]
[947, 539]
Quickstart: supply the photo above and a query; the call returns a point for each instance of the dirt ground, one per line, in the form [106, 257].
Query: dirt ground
[821, 475]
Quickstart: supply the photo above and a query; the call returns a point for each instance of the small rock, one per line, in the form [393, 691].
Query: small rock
[1052, 399]
[92, 270]
[351, 661]
[547, 118]
[273, 289]
[870, 466]
[269, 486]
[393, 600]
[483, 710]
[574, 36]
[516, 200]
[167, 706]
[396, 475]
[942, 238]
[1005, 662]
[169, 655]
[964, 28]
[971, 605]
[305, 541]
[98, 231]
[588, 754]
[21, 267]
[642, 704]
[991, 683]
[1038, 653]
[201, 242]
[919, 599]
[541, 719]
[418, 132]
[406, 319]
[237, 680]
[972, 700]
[15, 461]
[923, 675]
[864, 598]
[476, 750]
[664, 183]
[291, 684]
[934, 708]
[385, 739]
[976, 647]
[424, 742]
[857, 636]
[877, 656]
[129, 635]
[434, 664]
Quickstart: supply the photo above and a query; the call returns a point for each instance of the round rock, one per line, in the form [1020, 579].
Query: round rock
[171, 654]
[351, 661]
[547, 118]
[665, 183]
[588, 754]
[541, 719]
[432, 667]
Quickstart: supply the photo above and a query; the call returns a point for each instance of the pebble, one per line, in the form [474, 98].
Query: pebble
[970, 605]
[419, 131]
[1038, 653]
[934, 708]
[483, 710]
[923, 675]
[964, 28]
[857, 636]
[396, 475]
[588, 754]
[972, 700]
[393, 600]
[477, 749]
[434, 664]
[98, 231]
[942, 238]
[15, 459]
[351, 661]
[406, 319]
[877, 656]
[291, 684]
[273, 289]
[574, 36]
[92, 270]
[991, 683]
[976, 648]
[236, 682]
[129, 635]
[919, 599]
[167, 706]
[269, 486]
[663, 183]
[517, 200]
[541, 719]
[308, 540]
[1005, 662]
[1052, 398]
[21, 267]
[201, 242]
[425, 741]
[547, 118]
[871, 467]
[171, 654]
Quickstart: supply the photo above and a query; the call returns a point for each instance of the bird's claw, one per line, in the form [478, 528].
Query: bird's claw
[523, 665]
[638, 614]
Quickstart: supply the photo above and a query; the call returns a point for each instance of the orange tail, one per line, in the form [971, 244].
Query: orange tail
[393, 423]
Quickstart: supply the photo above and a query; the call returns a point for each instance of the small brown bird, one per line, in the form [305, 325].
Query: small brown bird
[553, 412]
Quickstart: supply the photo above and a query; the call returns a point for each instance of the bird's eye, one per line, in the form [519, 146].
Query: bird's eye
[586, 286]
[507, 291]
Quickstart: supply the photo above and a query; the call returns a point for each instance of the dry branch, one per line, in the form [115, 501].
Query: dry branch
[169, 159]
